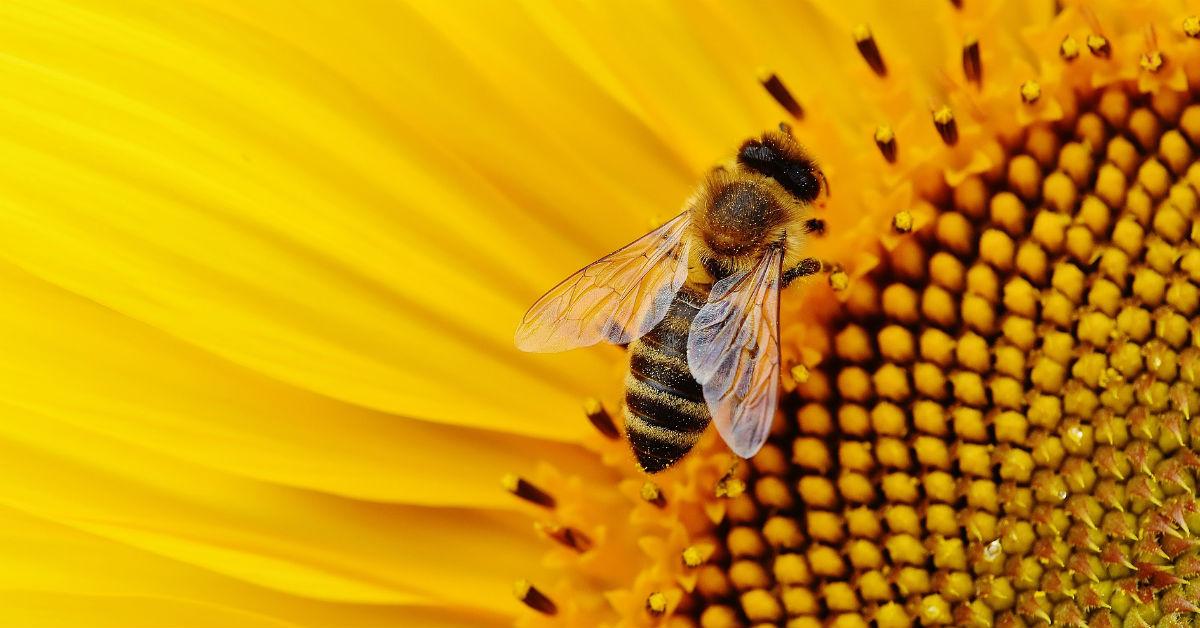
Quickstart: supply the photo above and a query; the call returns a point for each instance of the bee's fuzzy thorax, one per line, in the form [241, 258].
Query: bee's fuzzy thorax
[737, 213]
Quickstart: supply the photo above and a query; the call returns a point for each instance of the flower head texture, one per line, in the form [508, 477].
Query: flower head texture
[262, 263]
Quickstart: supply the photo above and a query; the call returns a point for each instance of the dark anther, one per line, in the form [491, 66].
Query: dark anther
[567, 536]
[651, 493]
[527, 593]
[1152, 61]
[943, 120]
[869, 50]
[885, 139]
[972, 65]
[600, 418]
[1098, 44]
[775, 88]
[815, 226]
[521, 488]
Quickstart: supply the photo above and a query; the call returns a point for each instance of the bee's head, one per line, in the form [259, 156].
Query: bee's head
[777, 156]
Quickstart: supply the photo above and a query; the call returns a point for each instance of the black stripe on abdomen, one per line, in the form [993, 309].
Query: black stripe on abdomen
[663, 372]
[665, 412]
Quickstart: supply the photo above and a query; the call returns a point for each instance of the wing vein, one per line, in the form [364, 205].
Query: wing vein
[616, 299]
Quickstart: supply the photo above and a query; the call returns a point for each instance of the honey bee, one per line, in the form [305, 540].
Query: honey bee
[697, 301]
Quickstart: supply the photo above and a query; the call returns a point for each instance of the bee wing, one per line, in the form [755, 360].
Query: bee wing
[733, 352]
[617, 298]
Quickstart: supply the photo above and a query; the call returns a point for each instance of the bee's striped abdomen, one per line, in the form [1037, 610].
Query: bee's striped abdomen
[664, 407]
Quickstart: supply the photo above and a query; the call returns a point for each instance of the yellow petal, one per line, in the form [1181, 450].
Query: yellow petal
[55, 576]
[292, 232]
[294, 541]
[37, 610]
[138, 385]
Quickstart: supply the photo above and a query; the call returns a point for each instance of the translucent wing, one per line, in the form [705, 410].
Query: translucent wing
[617, 298]
[733, 352]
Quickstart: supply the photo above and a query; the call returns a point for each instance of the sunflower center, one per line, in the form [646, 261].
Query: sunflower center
[1003, 434]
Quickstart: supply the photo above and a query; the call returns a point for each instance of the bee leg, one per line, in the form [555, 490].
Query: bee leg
[815, 226]
[803, 268]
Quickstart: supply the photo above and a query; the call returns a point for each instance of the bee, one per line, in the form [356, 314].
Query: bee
[697, 302]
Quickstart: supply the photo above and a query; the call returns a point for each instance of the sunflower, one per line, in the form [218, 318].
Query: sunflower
[262, 263]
